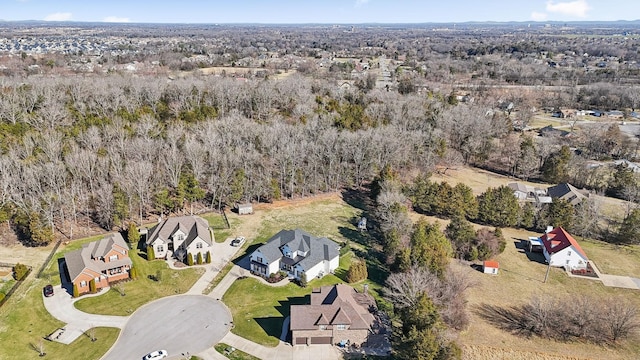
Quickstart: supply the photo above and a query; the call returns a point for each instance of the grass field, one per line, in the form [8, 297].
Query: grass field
[25, 323]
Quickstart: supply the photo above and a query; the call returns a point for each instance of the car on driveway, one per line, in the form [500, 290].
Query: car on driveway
[48, 290]
[155, 355]
[238, 241]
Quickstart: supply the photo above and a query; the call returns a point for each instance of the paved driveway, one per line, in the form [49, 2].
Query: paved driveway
[178, 324]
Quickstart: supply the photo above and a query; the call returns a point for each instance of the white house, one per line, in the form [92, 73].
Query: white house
[296, 252]
[562, 250]
[179, 236]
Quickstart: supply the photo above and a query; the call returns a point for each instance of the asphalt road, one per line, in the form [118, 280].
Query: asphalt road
[178, 324]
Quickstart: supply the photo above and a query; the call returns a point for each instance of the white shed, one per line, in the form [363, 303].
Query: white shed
[245, 209]
[490, 267]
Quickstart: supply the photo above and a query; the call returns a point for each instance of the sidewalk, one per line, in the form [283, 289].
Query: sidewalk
[625, 282]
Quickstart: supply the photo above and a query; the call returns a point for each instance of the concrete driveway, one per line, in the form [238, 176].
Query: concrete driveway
[179, 324]
[60, 305]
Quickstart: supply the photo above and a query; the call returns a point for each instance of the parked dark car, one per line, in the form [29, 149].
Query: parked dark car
[48, 290]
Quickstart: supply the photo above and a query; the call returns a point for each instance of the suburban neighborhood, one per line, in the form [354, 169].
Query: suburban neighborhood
[333, 180]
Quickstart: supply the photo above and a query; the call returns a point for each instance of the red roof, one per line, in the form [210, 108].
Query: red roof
[559, 239]
[491, 264]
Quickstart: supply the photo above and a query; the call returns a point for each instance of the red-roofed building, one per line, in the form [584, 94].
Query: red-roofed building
[562, 250]
[490, 267]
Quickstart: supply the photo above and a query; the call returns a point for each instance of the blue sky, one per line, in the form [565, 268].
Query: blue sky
[318, 11]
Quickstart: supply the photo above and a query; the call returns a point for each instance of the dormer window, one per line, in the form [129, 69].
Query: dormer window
[113, 257]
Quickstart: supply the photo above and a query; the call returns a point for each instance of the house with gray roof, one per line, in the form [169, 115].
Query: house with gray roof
[104, 262]
[336, 314]
[180, 236]
[568, 192]
[297, 252]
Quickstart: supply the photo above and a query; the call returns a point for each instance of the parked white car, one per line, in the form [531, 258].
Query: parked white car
[238, 241]
[155, 355]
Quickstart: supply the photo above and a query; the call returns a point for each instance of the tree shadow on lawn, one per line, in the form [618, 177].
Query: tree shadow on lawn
[538, 257]
[272, 325]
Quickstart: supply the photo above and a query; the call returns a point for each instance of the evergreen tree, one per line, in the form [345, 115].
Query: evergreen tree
[189, 259]
[430, 248]
[208, 258]
[151, 255]
[357, 271]
[461, 234]
[558, 213]
[133, 235]
[555, 168]
[199, 259]
[527, 216]
[92, 286]
[498, 207]
[76, 293]
[133, 273]
[629, 232]
[303, 280]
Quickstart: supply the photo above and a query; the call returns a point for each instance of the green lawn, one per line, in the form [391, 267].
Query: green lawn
[219, 226]
[235, 354]
[25, 322]
[259, 310]
[142, 290]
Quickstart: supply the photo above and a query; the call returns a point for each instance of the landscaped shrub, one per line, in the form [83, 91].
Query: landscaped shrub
[208, 258]
[76, 293]
[92, 286]
[357, 271]
[20, 271]
[303, 280]
[133, 273]
[189, 259]
[199, 259]
[151, 255]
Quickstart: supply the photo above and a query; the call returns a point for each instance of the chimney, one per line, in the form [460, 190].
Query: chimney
[549, 229]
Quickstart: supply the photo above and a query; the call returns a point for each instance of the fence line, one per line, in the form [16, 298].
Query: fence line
[224, 215]
[15, 287]
[46, 262]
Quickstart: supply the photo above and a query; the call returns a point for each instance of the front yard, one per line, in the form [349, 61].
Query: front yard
[259, 310]
[25, 323]
[142, 290]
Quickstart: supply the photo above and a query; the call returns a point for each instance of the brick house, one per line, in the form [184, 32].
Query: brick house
[105, 261]
[337, 314]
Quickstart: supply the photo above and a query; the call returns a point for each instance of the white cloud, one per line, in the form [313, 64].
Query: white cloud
[538, 16]
[59, 16]
[577, 8]
[116, 19]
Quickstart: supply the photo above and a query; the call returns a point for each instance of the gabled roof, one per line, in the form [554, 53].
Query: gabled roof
[333, 305]
[318, 249]
[193, 226]
[81, 260]
[491, 264]
[566, 191]
[559, 239]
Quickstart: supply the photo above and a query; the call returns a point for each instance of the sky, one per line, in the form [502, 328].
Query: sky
[318, 11]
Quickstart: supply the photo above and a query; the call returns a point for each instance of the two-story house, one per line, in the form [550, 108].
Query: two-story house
[104, 261]
[296, 252]
[180, 236]
[562, 250]
[337, 314]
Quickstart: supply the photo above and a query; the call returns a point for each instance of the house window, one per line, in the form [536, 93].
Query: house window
[83, 283]
[322, 327]
[341, 327]
[568, 261]
[160, 247]
[113, 257]
[199, 246]
[179, 237]
[568, 253]
[259, 259]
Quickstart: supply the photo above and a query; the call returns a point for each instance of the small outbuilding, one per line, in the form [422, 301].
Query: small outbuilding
[490, 267]
[245, 209]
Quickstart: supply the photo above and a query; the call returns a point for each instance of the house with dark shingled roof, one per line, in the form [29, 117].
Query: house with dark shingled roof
[337, 314]
[179, 236]
[296, 252]
[105, 261]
